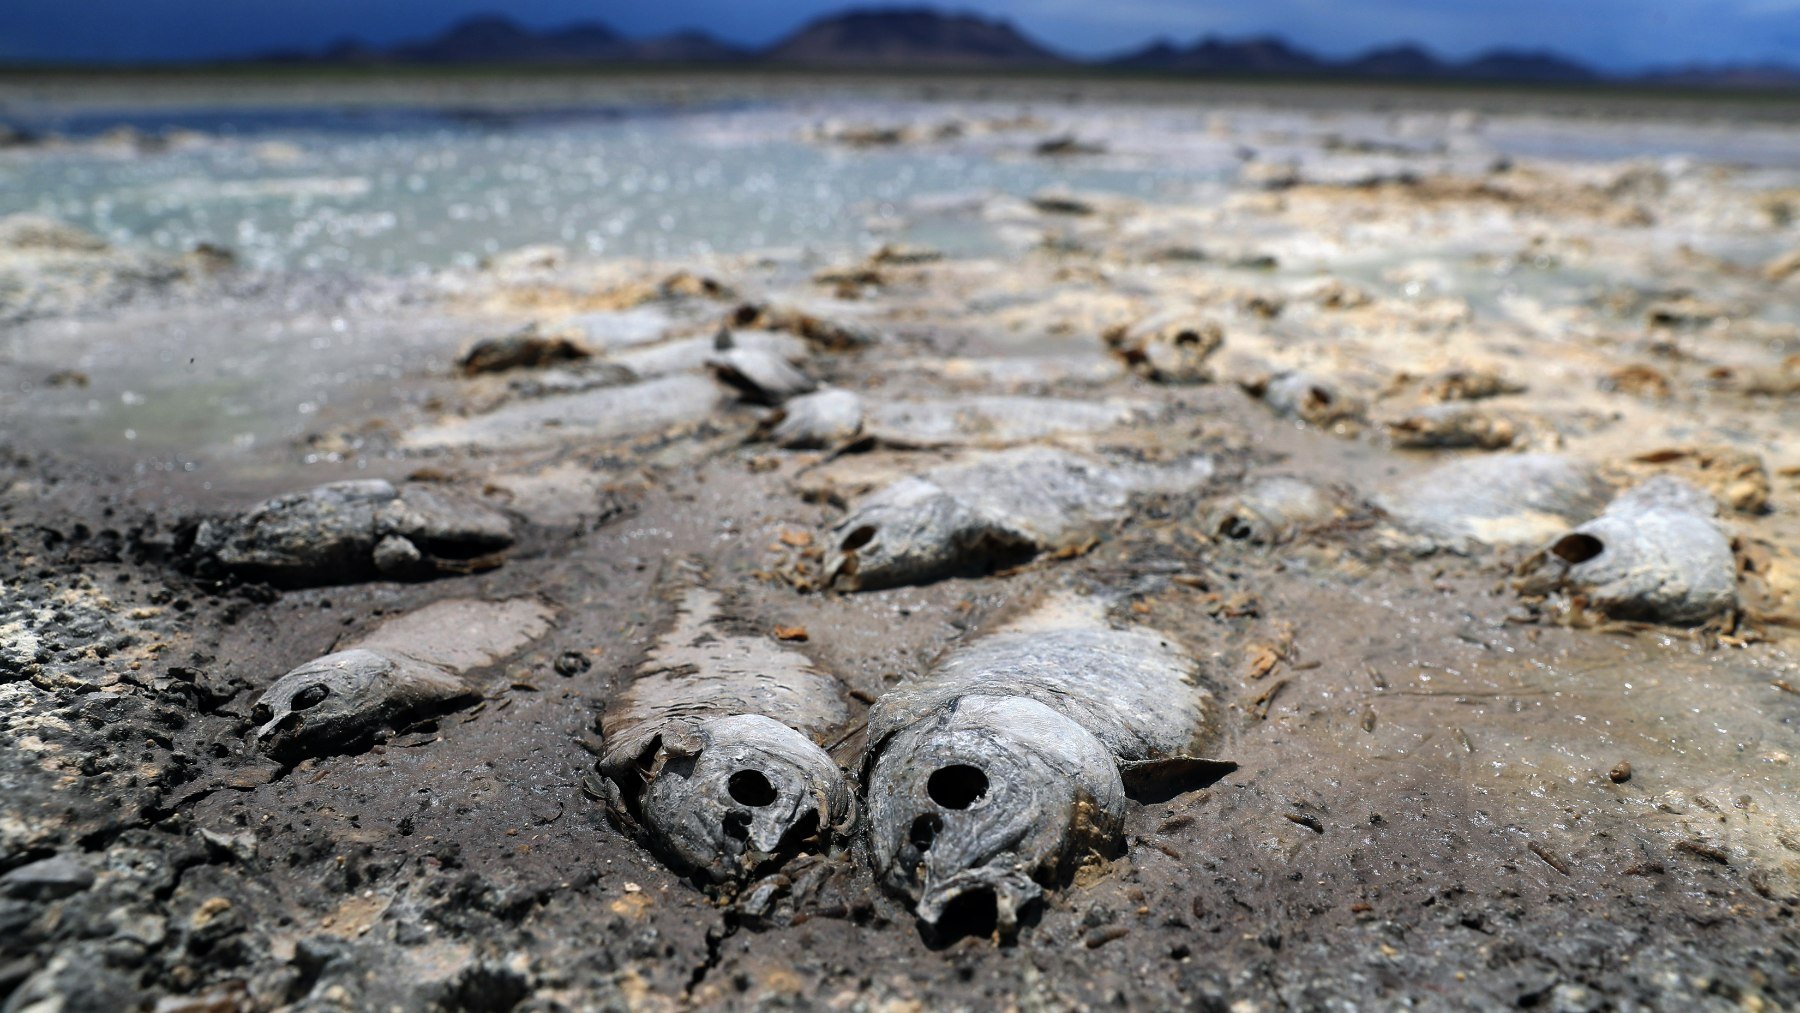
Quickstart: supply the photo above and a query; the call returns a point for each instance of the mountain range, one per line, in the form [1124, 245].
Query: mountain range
[925, 38]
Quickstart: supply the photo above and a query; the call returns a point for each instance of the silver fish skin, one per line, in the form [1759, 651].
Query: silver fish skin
[1004, 507]
[821, 420]
[1498, 500]
[713, 754]
[830, 418]
[1007, 767]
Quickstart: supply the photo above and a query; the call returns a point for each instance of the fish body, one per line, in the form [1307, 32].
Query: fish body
[1309, 397]
[1507, 499]
[410, 668]
[968, 517]
[1008, 765]
[996, 510]
[341, 702]
[586, 416]
[818, 421]
[348, 531]
[713, 752]
[829, 418]
[1168, 347]
[1272, 509]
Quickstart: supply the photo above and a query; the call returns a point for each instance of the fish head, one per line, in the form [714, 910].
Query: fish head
[913, 532]
[733, 797]
[974, 806]
[346, 698]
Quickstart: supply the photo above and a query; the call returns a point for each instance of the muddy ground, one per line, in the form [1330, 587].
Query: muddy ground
[1448, 794]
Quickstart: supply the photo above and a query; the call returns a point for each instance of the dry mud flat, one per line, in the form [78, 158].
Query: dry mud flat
[1356, 444]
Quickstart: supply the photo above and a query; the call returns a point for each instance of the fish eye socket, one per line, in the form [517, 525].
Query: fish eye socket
[957, 786]
[859, 538]
[1236, 528]
[311, 696]
[1578, 548]
[751, 788]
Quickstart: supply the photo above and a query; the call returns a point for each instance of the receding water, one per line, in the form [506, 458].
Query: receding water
[397, 191]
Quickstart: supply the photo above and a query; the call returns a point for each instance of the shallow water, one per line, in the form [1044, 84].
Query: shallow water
[396, 190]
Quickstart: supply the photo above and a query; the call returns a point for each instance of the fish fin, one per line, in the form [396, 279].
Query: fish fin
[1152, 781]
[680, 738]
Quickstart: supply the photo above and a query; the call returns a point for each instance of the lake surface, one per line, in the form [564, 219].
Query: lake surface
[404, 190]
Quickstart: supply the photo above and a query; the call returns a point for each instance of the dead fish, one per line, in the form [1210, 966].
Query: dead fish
[759, 375]
[696, 354]
[1445, 426]
[522, 349]
[1273, 509]
[606, 413]
[1307, 397]
[905, 254]
[1508, 499]
[1168, 347]
[1657, 554]
[712, 756]
[349, 531]
[1009, 765]
[1060, 202]
[817, 421]
[826, 335]
[994, 511]
[1468, 384]
[616, 330]
[994, 420]
[345, 701]
[408, 668]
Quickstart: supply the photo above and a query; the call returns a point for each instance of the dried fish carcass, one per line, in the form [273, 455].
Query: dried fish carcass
[1657, 554]
[712, 754]
[993, 511]
[1009, 765]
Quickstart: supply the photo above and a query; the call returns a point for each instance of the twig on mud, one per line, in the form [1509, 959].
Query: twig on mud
[1549, 857]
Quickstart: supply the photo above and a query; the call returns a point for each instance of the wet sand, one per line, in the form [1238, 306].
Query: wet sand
[1449, 793]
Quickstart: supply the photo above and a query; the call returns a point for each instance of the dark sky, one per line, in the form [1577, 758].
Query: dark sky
[1617, 34]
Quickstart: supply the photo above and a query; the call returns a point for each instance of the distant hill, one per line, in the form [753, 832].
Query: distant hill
[1514, 65]
[496, 39]
[1275, 57]
[925, 38]
[1267, 55]
[691, 46]
[910, 37]
[1406, 61]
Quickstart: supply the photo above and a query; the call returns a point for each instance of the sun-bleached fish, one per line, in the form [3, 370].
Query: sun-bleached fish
[1009, 764]
[997, 510]
[713, 754]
